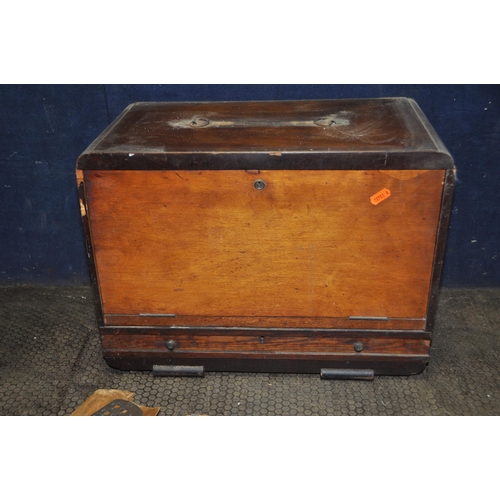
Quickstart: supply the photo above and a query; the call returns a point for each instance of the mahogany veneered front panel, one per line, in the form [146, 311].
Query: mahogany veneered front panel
[211, 249]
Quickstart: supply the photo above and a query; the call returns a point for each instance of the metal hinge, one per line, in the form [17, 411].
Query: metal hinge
[148, 315]
[370, 318]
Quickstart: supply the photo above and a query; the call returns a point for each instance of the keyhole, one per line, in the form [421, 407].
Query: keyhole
[259, 184]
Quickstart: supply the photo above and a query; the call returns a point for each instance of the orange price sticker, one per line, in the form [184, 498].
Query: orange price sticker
[382, 195]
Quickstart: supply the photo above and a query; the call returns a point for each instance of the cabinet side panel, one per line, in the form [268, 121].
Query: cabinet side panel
[310, 244]
[80, 179]
[444, 223]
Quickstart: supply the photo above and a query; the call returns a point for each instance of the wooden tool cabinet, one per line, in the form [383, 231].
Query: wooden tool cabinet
[285, 236]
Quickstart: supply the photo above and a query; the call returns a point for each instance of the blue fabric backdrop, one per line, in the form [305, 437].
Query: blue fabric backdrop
[44, 128]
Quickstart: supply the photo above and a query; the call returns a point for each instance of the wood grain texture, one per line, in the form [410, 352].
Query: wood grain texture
[343, 245]
[311, 245]
[267, 343]
[88, 246]
[344, 134]
[259, 322]
[443, 226]
[386, 124]
[167, 332]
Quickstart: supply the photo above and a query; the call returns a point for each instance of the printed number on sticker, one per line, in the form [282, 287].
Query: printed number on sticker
[382, 195]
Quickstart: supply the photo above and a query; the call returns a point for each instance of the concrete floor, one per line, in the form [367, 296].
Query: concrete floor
[50, 362]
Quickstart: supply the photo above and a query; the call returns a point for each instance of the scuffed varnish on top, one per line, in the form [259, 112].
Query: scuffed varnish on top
[79, 176]
[403, 175]
[83, 210]
[79, 180]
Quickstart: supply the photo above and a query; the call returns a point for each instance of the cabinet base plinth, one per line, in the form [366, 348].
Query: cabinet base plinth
[385, 365]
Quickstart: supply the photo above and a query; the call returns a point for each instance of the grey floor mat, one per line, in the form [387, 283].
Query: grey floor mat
[50, 362]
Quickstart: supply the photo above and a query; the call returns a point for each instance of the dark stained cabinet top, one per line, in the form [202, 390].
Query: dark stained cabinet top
[386, 133]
